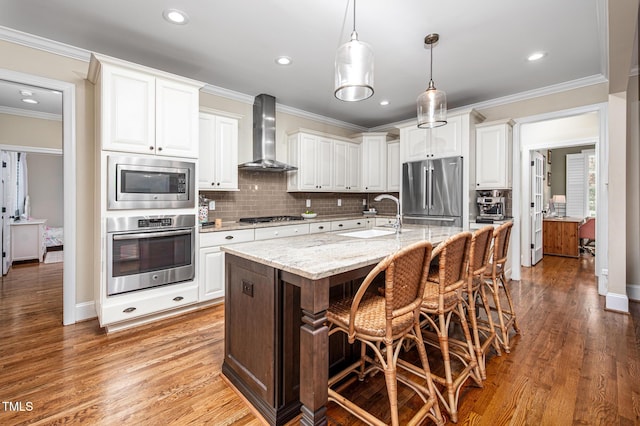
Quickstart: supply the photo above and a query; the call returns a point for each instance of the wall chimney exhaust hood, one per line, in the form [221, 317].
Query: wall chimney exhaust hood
[264, 137]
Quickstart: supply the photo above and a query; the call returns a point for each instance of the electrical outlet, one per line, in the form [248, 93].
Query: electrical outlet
[364, 201]
[339, 202]
[308, 203]
[212, 205]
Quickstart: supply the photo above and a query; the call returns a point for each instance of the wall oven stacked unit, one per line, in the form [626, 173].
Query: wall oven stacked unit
[153, 244]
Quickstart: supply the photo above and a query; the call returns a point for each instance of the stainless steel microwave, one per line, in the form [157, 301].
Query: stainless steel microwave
[149, 183]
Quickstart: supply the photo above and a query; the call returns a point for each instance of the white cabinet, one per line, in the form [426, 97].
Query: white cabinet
[420, 144]
[218, 153]
[374, 161]
[319, 227]
[28, 240]
[493, 155]
[312, 154]
[346, 167]
[271, 232]
[211, 267]
[145, 111]
[341, 225]
[394, 166]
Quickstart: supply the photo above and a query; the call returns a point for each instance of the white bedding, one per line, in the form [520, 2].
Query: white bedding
[54, 236]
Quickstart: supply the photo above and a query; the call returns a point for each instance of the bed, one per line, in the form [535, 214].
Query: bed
[54, 238]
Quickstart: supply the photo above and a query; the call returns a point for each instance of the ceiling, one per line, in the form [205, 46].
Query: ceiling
[233, 45]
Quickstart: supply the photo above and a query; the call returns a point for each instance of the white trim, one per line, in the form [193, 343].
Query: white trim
[33, 149]
[226, 93]
[521, 179]
[617, 302]
[602, 12]
[86, 311]
[37, 42]
[69, 186]
[31, 114]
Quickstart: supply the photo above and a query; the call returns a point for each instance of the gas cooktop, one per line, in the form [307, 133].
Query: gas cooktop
[267, 219]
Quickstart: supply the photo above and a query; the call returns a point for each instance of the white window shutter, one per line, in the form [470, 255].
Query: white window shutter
[576, 181]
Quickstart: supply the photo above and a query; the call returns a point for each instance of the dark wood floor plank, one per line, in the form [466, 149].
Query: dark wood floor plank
[574, 362]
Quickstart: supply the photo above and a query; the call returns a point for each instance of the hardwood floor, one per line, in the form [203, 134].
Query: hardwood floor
[574, 363]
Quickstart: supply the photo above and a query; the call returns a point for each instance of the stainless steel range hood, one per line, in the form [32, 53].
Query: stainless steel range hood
[264, 137]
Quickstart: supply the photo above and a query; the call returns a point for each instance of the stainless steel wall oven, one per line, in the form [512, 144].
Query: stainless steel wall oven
[149, 251]
[149, 183]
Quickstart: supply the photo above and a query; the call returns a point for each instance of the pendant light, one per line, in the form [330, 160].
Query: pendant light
[354, 68]
[432, 103]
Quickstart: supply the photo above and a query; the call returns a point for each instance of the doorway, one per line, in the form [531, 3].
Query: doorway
[67, 92]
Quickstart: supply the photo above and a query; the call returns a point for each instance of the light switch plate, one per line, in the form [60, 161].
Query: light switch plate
[308, 203]
[212, 205]
[339, 202]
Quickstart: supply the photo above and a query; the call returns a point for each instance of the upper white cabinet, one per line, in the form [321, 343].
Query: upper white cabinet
[374, 161]
[394, 166]
[420, 144]
[493, 155]
[312, 154]
[346, 167]
[218, 153]
[145, 111]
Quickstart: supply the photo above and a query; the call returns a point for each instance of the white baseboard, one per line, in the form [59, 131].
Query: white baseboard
[617, 302]
[633, 291]
[85, 311]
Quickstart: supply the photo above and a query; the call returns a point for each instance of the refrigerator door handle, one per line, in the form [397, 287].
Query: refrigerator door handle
[430, 186]
[425, 185]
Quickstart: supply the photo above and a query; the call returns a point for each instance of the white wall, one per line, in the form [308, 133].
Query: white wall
[45, 173]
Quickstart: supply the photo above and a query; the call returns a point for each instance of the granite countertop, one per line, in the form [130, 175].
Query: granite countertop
[322, 255]
[230, 226]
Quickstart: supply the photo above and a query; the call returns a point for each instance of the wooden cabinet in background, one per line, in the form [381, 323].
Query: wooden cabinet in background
[560, 237]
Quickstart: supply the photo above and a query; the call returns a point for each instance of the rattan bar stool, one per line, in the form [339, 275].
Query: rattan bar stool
[381, 324]
[443, 302]
[475, 297]
[497, 284]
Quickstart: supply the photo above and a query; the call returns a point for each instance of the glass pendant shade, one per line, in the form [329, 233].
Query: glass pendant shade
[432, 108]
[354, 70]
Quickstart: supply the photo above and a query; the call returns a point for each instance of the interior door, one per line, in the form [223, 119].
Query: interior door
[537, 173]
[6, 221]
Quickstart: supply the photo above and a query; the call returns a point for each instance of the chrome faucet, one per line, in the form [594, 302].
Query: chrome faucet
[398, 223]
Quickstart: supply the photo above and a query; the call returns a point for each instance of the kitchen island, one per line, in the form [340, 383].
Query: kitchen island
[277, 349]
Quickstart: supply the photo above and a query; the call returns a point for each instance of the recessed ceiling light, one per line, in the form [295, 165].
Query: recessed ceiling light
[30, 101]
[175, 16]
[26, 93]
[536, 56]
[384, 102]
[283, 60]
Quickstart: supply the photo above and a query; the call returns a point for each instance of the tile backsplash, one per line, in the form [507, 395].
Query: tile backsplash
[265, 194]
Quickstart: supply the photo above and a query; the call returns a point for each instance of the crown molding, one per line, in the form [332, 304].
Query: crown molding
[37, 42]
[30, 114]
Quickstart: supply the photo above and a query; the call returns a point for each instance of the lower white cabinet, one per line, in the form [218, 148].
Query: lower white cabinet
[211, 265]
[341, 225]
[28, 240]
[318, 227]
[281, 231]
[133, 305]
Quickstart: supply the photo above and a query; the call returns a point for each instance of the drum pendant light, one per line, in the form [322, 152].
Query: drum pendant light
[354, 68]
[432, 103]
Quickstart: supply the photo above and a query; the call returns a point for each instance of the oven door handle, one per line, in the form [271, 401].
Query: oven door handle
[120, 237]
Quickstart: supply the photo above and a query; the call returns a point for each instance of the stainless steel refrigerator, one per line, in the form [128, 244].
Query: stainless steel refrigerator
[432, 192]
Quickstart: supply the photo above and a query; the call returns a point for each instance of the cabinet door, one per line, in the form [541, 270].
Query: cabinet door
[324, 167]
[394, 167]
[208, 152]
[128, 111]
[176, 119]
[211, 274]
[446, 141]
[226, 155]
[491, 157]
[414, 143]
[340, 166]
[308, 162]
[374, 163]
[354, 162]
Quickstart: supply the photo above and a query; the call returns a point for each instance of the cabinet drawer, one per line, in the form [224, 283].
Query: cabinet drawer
[209, 239]
[381, 221]
[147, 302]
[341, 225]
[281, 231]
[316, 228]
